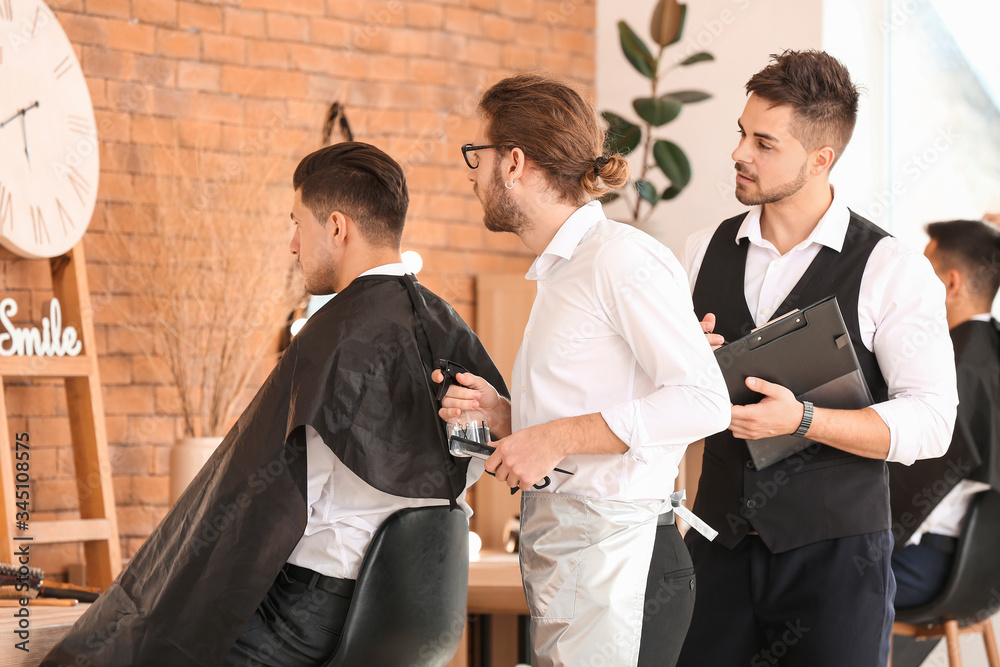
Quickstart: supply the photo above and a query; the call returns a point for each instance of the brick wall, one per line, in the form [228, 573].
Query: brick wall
[238, 79]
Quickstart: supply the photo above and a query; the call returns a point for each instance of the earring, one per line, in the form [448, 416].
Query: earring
[508, 185]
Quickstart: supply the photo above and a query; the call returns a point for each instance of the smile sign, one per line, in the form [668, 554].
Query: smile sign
[52, 340]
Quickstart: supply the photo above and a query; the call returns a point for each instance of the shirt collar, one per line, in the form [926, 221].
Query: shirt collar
[567, 238]
[831, 230]
[394, 269]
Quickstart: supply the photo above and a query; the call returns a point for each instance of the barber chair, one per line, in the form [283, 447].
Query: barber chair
[409, 604]
[972, 592]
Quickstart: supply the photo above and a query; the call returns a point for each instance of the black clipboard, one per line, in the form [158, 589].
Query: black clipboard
[808, 351]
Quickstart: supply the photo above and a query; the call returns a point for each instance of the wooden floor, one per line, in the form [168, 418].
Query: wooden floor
[48, 625]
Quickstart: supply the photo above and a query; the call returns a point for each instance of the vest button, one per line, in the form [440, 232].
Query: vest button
[751, 504]
[750, 465]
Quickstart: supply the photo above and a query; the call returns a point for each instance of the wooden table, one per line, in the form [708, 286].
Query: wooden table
[48, 626]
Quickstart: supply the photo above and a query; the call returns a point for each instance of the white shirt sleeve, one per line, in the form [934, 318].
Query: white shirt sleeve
[904, 300]
[643, 290]
[694, 253]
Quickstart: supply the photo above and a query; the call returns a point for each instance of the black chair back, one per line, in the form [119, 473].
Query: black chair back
[972, 592]
[410, 599]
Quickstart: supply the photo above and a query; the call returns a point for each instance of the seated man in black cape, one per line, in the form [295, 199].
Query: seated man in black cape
[255, 564]
[930, 498]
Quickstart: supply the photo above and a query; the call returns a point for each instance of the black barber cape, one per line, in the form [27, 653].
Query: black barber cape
[974, 454]
[358, 373]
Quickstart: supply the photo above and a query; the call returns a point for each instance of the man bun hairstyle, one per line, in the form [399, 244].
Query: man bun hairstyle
[558, 131]
[360, 181]
[819, 90]
[972, 247]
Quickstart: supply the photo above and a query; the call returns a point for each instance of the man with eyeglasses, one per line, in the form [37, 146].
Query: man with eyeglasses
[612, 381]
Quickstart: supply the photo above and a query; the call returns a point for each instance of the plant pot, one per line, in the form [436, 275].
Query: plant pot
[187, 457]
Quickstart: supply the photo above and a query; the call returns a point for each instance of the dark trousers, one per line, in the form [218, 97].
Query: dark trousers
[827, 604]
[669, 601]
[921, 572]
[298, 623]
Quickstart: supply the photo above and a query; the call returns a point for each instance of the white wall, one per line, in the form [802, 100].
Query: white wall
[740, 34]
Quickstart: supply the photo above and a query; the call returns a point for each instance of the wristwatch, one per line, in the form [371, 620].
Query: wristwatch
[807, 419]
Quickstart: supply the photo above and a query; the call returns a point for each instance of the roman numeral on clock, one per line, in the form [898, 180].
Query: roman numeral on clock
[65, 218]
[38, 226]
[6, 209]
[79, 124]
[64, 66]
[6, 11]
[75, 178]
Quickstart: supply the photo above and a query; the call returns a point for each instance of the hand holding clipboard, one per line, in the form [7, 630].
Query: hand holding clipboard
[809, 352]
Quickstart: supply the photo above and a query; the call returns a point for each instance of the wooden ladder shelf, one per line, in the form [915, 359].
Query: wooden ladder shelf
[98, 526]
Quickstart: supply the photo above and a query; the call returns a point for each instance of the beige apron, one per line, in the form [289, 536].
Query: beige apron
[585, 564]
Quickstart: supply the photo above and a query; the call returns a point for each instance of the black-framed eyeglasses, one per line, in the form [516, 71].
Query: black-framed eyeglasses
[473, 162]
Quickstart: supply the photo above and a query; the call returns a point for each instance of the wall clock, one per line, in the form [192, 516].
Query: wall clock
[49, 163]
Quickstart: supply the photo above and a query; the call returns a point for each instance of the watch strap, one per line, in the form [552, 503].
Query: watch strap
[807, 419]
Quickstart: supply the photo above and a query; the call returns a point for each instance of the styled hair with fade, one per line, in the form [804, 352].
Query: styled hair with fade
[820, 92]
[361, 182]
[971, 247]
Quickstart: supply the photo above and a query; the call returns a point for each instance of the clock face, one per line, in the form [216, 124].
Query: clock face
[49, 165]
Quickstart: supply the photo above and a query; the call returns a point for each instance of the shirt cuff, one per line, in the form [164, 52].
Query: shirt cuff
[625, 421]
[913, 434]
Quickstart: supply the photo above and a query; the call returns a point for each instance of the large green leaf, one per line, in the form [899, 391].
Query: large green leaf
[657, 111]
[668, 22]
[636, 51]
[700, 57]
[670, 192]
[674, 163]
[622, 135]
[689, 96]
[647, 191]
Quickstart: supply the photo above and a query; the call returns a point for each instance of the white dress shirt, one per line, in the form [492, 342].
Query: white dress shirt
[613, 330]
[949, 515]
[344, 511]
[901, 314]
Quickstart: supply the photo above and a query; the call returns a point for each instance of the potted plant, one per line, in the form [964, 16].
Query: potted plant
[654, 111]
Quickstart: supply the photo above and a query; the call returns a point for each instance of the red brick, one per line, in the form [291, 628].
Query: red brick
[199, 76]
[35, 400]
[48, 431]
[84, 29]
[54, 494]
[306, 7]
[246, 23]
[465, 21]
[173, 102]
[219, 107]
[424, 15]
[223, 48]
[283, 26]
[200, 16]
[161, 12]
[268, 53]
[107, 64]
[118, 8]
[178, 43]
[115, 370]
[132, 37]
[131, 400]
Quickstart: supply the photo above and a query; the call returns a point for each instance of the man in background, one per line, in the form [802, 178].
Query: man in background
[931, 498]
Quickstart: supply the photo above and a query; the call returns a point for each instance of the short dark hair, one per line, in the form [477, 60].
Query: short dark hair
[360, 181]
[819, 89]
[973, 248]
[557, 130]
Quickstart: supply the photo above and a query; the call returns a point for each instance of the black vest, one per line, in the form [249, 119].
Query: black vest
[821, 492]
